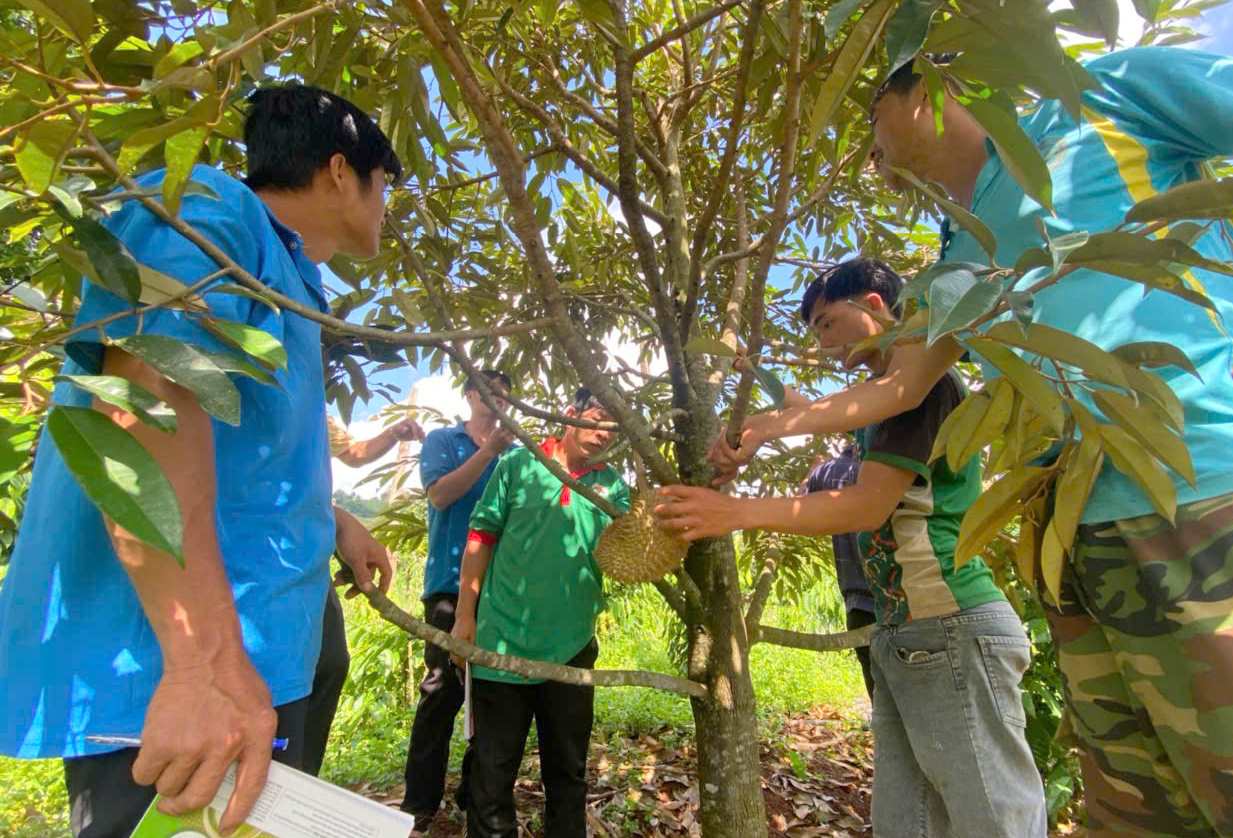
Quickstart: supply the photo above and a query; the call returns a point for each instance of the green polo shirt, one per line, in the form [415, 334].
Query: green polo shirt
[910, 560]
[543, 589]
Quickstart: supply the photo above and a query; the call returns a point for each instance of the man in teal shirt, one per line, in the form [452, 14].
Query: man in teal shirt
[1144, 622]
[532, 549]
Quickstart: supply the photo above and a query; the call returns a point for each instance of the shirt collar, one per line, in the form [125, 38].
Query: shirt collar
[549, 447]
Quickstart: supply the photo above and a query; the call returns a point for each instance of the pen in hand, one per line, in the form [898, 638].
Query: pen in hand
[280, 743]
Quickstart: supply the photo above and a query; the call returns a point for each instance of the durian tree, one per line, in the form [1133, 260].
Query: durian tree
[583, 177]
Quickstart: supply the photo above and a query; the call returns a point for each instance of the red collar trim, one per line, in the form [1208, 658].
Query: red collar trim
[549, 447]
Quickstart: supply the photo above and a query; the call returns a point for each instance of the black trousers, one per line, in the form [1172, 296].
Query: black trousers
[105, 802]
[563, 716]
[328, 680]
[859, 619]
[441, 695]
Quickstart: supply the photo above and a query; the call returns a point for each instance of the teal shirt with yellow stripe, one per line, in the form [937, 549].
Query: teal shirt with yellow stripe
[543, 589]
[1158, 115]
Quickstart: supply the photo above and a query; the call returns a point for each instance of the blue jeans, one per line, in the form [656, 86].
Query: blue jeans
[950, 751]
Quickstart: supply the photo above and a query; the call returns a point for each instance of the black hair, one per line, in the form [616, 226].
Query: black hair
[850, 279]
[905, 78]
[293, 130]
[585, 400]
[491, 375]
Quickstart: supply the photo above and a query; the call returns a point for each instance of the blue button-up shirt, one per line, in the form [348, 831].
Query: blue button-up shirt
[444, 451]
[77, 655]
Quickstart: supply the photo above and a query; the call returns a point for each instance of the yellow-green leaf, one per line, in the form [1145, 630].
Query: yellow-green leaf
[1052, 561]
[991, 425]
[1144, 425]
[258, 343]
[996, 506]
[74, 18]
[1198, 199]
[1129, 458]
[1074, 486]
[847, 66]
[961, 433]
[948, 426]
[40, 149]
[1153, 354]
[1027, 547]
[181, 152]
[1017, 151]
[1064, 347]
[1026, 379]
[961, 216]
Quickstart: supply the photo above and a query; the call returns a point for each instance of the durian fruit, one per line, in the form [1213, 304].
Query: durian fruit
[634, 549]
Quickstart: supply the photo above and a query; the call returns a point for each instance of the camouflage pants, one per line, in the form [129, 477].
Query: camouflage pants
[1144, 635]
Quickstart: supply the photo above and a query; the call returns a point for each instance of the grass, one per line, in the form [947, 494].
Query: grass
[369, 740]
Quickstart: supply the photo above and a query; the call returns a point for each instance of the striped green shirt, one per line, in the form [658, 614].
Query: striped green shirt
[910, 560]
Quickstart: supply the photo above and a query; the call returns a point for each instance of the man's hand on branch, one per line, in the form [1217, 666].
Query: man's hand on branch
[464, 630]
[693, 512]
[728, 460]
[500, 439]
[364, 557]
[408, 430]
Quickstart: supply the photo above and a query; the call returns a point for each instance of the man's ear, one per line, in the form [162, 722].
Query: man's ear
[874, 302]
[339, 169]
[571, 411]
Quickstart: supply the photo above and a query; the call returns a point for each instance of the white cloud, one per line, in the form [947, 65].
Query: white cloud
[434, 391]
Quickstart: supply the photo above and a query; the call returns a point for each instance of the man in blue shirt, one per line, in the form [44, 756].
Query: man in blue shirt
[103, 634]
[1146, 611]
[455, 465]
[828, 475]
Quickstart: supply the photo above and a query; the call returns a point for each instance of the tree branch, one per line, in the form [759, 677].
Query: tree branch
[779, 213]
[761, 594]
[723, 179]
[562, 144]
[814, 642]
[682, 30]
[671, 596]
[628, 194]
[541, 670]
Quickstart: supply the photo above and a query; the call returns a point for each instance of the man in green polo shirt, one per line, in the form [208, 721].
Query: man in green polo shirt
[530, 569]
[950, 751]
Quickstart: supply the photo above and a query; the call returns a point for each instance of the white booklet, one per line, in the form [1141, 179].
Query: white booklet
[292, 805]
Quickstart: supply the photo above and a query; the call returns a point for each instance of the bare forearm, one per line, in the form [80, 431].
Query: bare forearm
[366, 451]
[448, 489]
[474, 568]
[191, 609]
[820, 513]
[913, 372]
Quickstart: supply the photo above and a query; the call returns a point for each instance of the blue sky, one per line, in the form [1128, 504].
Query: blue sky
[1217, 24]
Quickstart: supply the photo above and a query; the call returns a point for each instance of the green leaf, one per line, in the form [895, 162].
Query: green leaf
[1153, 354]
[192, 369]
[771, 385]
[956, 299]
[1137, 249]
[1102, 15]
[1062, 246]
[1020, 155]
[119, 476]
[40, 150]
[847, 66]
[906, 31]
[983, 235]
[1147, 9]
[1197, 199]
[935, 88]
[159, 289]
[1154, 276]
[127, 396]
[113, 265]
[181, 152]
[838, 14]
[1036, 389]
[74, 18]
[256, 342]
[177, 55]
[918, 286]
[703, 345]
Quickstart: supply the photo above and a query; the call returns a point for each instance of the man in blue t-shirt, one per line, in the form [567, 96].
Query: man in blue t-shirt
[103, 635]
[1145, 616]
[455, 465]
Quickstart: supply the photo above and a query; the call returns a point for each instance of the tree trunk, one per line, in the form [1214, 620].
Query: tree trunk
[729, 776]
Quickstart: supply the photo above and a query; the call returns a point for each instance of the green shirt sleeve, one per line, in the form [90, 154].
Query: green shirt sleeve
[490, 513]
[620, 495]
